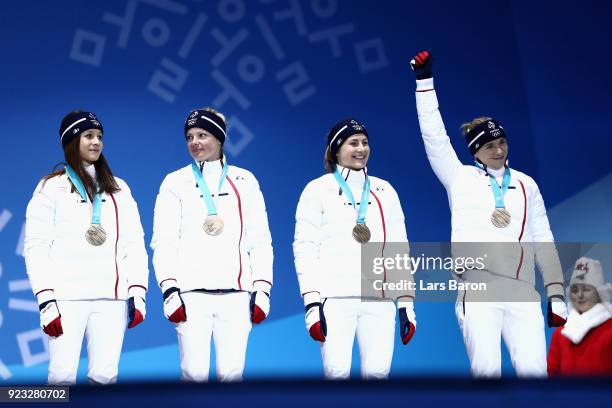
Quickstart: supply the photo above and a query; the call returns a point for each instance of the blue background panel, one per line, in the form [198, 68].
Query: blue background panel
[542, 69]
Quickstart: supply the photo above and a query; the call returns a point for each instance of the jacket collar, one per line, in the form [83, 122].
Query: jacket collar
[211, 168]
[353, 177]
[91, 170]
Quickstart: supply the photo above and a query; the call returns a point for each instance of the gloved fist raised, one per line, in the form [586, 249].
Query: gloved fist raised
[407, 320]
[174, 307]
[557, 311]
[315, 318]
[50, 318]
[421, 64]
[260, 306]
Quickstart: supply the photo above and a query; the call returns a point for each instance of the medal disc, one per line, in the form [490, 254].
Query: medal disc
[500, 218]
[213, 225]
[95, 235]
[361, 233]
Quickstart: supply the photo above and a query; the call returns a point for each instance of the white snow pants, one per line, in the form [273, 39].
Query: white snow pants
[226, 317]
[521, 325]
[373, 322]
[103, 323]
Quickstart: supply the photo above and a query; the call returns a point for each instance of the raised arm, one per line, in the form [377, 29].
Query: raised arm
[440, 152]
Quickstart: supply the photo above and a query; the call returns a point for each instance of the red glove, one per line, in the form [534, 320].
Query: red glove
[557, 311]
[407, 321]
[136, 310]
[174, 307]
[51, 319]
[260, 306]
[422, 65]
[315, 318]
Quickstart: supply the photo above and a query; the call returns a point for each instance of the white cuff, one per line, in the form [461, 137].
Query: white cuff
[167, 284]
[555, 289]
[45, 296]
[262, 286]
[137, 291]
[425, 84]
[312, 297]
[408, 304]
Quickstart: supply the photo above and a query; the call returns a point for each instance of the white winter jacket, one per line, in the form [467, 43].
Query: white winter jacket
[62, 265]
[185, 256]
[527, 238]
[327, 257]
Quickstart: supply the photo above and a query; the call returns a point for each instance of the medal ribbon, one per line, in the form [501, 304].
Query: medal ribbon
[97, 200]
[206, 195]
[365, 196]
[498, 193]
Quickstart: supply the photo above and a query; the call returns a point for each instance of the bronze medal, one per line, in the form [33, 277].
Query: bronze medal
[213, 225]
[95, 235]
[361, 233]
[500, 218]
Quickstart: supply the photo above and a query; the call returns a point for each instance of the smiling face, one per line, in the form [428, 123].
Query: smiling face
[494, 154]
[202, 145]
[354, 152]
[583, 297]
[90, 145]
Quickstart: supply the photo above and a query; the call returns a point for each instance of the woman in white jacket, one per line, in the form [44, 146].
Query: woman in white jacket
[212, 252]
[85, 255]
[500, 211]
[331, 227]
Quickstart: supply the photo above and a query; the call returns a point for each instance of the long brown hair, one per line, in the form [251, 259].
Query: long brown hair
[329, 161]
[105, 179]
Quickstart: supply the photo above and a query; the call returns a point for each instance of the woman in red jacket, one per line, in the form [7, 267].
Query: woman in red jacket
[584, 345]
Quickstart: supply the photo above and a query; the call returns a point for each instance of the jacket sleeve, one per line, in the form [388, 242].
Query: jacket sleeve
[135, 254]
[546, 256]
[166, 234]
[554, 354]
[258, 237]
[307, 239]
[38, 238]
[440, 153]
[397, 237]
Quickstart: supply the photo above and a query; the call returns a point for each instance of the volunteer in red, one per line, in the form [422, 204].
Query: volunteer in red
[583, 346]
[85, 256]
[212, 252]
[502, 210]
[337, 214]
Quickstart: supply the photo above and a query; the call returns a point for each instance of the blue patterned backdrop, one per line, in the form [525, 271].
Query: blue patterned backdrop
[283, 71]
